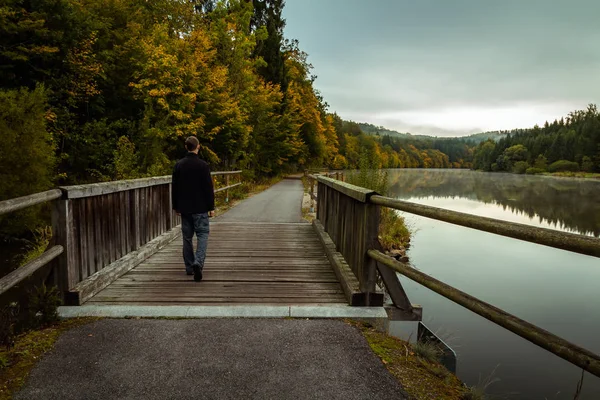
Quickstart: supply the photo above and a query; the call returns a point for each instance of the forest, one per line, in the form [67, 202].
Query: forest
[99, 90]
[94, 90]
[571, 144]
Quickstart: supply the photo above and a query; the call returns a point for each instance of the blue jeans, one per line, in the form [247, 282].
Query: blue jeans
[190, 224]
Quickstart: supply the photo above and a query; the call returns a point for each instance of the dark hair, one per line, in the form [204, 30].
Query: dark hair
[191, 143]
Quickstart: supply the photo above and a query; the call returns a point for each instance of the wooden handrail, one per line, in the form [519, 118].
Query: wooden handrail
[19, 203]
[16, 276]
[227, 187]
[566, 350]
[581, 244]
[225, 173]
[356, 192]
[97, 189]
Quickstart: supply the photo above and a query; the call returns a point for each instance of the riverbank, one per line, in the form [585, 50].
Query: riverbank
[591, 176]
[416, 366]
[578, 175]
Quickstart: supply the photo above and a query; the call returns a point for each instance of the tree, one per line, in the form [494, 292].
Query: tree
[512, 155]
[483, 155]
[586, 164]
[268, 14]
[27, 158]
[541, 162]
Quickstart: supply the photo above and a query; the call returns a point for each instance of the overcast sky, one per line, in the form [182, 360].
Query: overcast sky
[451, 67]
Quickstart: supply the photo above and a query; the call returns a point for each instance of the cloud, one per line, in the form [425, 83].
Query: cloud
[493, 64]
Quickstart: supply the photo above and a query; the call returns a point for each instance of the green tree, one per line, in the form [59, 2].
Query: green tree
[268, 14]
[27, 158]
[587, 164]
[541, 162]
[512, 155]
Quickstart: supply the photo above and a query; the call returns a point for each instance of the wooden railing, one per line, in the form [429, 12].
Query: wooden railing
[349, 215]
[15, 277]
[310, 174]
[102, 230]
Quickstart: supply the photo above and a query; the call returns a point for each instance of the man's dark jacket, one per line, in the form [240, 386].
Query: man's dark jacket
[192, 191]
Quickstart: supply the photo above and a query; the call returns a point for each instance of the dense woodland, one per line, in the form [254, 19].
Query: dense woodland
[569, 144]
[97, 90]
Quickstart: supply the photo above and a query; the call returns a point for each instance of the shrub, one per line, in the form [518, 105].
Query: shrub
[541, 162]
[43, 305]
[520, 167]
[369, 176]
[8, 319]
[125, 159]
[587, 165]
[534, 171]
[27, 159]
[393, 232]
[563, 165]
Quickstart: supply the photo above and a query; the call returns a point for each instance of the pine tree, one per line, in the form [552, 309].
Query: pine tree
[268, 13]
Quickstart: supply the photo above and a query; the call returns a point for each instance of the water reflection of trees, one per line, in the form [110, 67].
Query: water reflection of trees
[565, 203]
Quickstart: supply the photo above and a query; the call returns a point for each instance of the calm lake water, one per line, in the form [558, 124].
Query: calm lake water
[554, 289]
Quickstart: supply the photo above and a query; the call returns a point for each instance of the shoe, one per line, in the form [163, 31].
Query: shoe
[197, 273]
[189, 272]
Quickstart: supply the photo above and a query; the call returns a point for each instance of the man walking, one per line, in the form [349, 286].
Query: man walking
[193, 198]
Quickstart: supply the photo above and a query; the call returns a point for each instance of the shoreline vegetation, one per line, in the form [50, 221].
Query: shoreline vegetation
[416, 366]
[394, 234]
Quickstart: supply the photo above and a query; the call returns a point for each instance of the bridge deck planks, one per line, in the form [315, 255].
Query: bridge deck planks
[256, 263]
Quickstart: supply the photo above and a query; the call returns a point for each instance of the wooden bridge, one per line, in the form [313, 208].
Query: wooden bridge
[247, 263]
[114, 244]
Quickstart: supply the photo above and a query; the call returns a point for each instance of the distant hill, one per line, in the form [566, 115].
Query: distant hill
[382, 131]
[371, 129]
[483, 136]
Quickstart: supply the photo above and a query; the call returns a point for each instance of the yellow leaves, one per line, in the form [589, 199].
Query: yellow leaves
[50, 116]
[85, 70]
[39, 49]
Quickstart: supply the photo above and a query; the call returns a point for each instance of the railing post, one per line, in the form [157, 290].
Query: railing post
[136, 226]
[312, 195]
[227, 191]
[170, 223]
[63, 234]
[369, 239]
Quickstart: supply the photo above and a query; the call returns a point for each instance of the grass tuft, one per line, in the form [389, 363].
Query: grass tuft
[41, 239]
[479, 391]
[17, 362]
[427, 351]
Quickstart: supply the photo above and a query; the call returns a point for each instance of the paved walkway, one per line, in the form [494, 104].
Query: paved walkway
[282, 202]
[211, 359]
